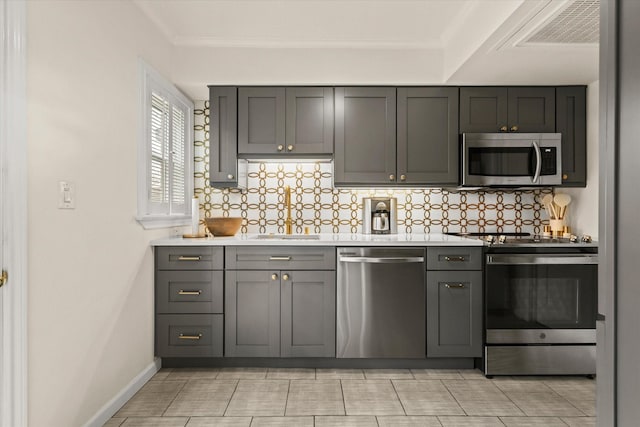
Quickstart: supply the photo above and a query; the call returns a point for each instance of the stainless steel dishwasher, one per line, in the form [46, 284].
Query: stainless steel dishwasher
[381, 303]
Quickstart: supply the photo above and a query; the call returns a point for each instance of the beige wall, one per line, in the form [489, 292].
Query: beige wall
[583, 211]
[90, 269]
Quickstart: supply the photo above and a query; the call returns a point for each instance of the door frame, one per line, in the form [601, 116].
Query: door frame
[13, 155]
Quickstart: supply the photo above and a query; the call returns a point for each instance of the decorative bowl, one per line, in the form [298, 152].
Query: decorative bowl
[223, 226]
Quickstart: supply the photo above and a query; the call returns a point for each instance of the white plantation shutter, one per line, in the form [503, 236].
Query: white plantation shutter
[165, 183]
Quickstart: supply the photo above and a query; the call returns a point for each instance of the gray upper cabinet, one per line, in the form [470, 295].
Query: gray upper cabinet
[365, 136]
[532, 109]
[513, 109]
[252, 315]
[261, 120]
[427, 135]
[275, 121]
[308, 315]
[483, 109]
[309, 126]
[571, 122]
[223, 137]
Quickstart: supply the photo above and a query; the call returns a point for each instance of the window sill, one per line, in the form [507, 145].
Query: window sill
[149, 222]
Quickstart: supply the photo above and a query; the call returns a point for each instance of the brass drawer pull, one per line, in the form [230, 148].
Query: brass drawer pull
[182, 292]
[190, 337]
[454, 285]
[189, 258]
[454, 258]
[280, 258]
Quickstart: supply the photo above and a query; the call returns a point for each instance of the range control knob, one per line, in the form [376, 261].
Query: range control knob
[543, 336]
[502, 239]
[490, 238]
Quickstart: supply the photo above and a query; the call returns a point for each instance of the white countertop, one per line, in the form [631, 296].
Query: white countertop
[326, 240]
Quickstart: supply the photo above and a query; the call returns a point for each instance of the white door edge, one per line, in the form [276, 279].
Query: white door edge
[13, 149]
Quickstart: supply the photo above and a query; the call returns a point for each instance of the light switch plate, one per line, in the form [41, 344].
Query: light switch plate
[66, 195]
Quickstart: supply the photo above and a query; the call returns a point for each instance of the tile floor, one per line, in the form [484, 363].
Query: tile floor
[257, 397]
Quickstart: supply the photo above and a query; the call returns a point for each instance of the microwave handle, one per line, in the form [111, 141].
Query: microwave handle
[536, 176]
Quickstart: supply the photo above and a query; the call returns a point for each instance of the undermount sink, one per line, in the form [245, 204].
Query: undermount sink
[288, 236]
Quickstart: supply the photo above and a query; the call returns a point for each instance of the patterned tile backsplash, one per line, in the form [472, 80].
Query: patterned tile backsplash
[324, 209]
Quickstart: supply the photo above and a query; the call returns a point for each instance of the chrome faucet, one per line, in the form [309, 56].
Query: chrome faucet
[287, 204]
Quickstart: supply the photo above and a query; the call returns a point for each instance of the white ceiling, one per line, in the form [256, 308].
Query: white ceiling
[292, 41]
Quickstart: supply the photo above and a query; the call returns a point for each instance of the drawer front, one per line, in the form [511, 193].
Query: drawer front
[189, 291]
[454, 258]
[189, 335]
[280, 258]
[189, 258]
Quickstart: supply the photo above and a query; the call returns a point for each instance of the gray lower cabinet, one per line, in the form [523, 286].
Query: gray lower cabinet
[454, 302]
[189, 301]
[365, 136]
[308, 314]
[252, 315]
[280, 314]
[454, 314]
[427, 135]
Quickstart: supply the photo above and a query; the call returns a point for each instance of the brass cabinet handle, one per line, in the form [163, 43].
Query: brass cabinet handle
[503, 128]
[285, 276]
[565, 176]
[454, 258]
[403, 178]
[183, 292]
[280, 147]
[514, 129]
[4, 277]
[274, 276]
[280, 258]
[290, 147]
[189, 258]
[190, 337]
[229, 176]
[392, 177]
[454, 285]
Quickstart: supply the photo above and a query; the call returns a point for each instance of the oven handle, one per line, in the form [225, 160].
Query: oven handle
[536, 176]
[529, 259]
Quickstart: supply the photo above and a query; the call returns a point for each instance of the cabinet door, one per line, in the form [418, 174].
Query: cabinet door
[261, 120]
[309, 120]
[223, 137]
[532, 109]
[483, 109]
[454, 314]
[252, 314]
[308, 307]
[571, 122]
[427, 146]
[365, 136]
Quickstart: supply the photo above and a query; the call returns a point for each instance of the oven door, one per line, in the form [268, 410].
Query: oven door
[538, 298]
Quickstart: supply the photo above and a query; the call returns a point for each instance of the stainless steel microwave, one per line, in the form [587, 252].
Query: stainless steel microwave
[511, 159]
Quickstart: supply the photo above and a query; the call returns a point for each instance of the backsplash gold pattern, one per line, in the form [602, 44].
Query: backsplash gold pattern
[315, 204]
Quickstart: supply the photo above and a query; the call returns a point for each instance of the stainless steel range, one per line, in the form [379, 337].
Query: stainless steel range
[540, 306]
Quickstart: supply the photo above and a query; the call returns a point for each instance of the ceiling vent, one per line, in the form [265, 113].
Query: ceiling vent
[577, 23]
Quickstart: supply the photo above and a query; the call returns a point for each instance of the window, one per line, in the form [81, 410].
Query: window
[165, 155]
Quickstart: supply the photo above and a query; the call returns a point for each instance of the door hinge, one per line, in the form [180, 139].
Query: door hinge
[4, 277]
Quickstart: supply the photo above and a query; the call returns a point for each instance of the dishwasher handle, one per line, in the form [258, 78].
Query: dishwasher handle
[381, 260]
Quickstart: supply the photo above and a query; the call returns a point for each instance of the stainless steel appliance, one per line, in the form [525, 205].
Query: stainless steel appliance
[540, 305]
[379, 215]
[511, 159]
[381, 303]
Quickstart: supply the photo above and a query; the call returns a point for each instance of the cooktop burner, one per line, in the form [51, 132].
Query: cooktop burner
[517, 238]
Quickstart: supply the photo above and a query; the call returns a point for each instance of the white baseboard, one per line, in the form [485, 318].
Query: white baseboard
[112, 406]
